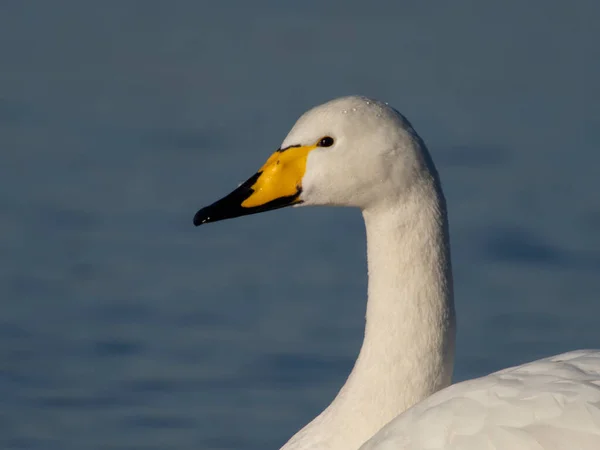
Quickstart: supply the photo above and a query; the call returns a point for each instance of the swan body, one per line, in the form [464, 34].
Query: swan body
[552, 403]
[361, 153]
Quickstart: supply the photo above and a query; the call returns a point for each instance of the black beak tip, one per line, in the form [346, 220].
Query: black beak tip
[201, 217]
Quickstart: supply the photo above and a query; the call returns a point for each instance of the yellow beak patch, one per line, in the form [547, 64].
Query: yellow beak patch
[280, 176]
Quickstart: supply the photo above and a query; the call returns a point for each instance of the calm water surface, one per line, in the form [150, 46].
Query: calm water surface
[123, 327]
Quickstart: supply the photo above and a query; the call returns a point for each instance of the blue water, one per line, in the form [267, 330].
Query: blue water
[124, 327]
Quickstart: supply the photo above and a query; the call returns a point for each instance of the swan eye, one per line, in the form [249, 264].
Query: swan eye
[325, 142]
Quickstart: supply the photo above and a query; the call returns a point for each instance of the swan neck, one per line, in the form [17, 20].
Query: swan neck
[408, 348]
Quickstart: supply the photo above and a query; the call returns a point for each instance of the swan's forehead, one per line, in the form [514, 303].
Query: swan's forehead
[347, 117]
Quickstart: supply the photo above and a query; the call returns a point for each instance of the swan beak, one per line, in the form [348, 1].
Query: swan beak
[278, 183]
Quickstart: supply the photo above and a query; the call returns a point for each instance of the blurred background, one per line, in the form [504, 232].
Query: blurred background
[124, 327]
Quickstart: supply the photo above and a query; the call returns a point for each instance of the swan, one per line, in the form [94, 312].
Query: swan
[360, 152]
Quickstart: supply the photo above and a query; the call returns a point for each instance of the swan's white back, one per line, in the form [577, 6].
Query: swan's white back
[361, 153]
[550, 404]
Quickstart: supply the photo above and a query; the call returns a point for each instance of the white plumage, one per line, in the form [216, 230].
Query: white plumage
[398, 395]
[550, 404]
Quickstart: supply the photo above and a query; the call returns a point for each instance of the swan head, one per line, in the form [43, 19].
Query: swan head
[352, 151]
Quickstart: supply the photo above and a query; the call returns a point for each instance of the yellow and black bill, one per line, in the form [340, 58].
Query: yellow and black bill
[277, 184]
